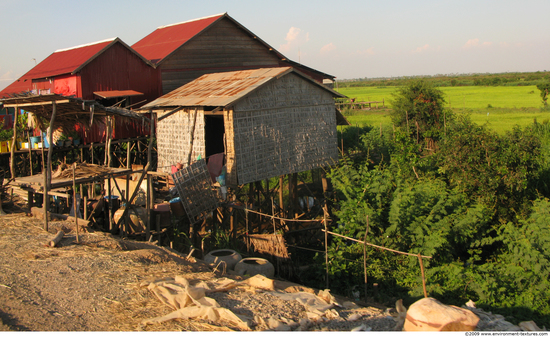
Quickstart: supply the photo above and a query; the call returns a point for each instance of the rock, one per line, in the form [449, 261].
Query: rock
[362, 327]
[428, 314]
[276, 325]
[529, 326]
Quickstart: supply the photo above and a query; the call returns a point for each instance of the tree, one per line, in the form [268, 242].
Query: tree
[419, 109]
[544, 90]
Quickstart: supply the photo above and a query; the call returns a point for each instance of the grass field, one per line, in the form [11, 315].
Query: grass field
[501, 107]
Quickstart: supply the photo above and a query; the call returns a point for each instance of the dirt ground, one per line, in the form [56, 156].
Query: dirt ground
[100, 284]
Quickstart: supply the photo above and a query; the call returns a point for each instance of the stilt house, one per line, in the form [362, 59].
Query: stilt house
[185, 51]
[109, 72]
[268, 122]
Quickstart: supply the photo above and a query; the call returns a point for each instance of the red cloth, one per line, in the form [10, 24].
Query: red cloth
[215, 165]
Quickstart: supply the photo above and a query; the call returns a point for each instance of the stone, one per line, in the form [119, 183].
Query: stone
[428, 314]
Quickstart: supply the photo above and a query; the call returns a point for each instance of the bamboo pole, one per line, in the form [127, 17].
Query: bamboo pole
[365, 257]
[108, 143]
[110, 203]
[30, 150]
[373, 245]
[45, 203]
[281, 191]
[326, 244]
[423, 276]
[74, 204]
[12, 147]
[48, 172]
[128, 155]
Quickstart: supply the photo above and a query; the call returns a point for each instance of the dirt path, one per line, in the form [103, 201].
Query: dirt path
[101, 283]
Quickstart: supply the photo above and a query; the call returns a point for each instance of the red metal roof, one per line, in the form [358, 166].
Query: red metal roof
[66, 61]
[164, 40]
[61, 62]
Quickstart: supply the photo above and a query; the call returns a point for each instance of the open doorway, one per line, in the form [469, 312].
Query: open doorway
[214, 132]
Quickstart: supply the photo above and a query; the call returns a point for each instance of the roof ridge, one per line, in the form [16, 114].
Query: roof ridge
[86, 45]
[188, 21]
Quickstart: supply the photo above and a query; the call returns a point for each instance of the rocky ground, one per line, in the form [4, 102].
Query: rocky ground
[100, 284]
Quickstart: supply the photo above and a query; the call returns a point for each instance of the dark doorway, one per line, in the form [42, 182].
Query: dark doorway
[214, 130]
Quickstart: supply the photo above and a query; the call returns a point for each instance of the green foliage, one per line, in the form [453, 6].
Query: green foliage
[496, 169]
[471, 205]
[544, 90]
[419, 109]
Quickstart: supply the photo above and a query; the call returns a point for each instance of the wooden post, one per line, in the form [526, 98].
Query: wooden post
[192, 135]
[74, 203]
[281, 193]
[48, 172]
[273, 218]
[148, 208]
[258, 186]
[295, 194]
[12, 147]
[326, 245]
[365, 257]
[109, 134]
[92, 151]
[232, 226]
[423, 276]
[128, 155]
[250, 200]
[290, 208]
[29, 146]
[126, 221]
[110, 203]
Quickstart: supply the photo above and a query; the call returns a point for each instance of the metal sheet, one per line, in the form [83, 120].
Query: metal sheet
[223, 89]
[164, 40]
[117, 93]
[219, 89]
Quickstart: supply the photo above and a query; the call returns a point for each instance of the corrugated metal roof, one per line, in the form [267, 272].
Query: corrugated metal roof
[67, 60]
[64, 61]
[59, 63]
[223, 89]
[117, 93]
[164, 40]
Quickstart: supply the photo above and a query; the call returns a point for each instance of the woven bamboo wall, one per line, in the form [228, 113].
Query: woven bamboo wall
[287, 126]
[174, 137]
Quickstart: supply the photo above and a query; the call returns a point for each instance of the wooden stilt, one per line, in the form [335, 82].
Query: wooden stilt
[30, 150]
[295, 194]
[128, 155]
[48, 168]
[148, 209]
[326, 244]
[110, 203]
[74, 203]
[281, 193]
[13, 140]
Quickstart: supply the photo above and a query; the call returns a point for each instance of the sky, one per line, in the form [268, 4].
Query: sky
[344, 38]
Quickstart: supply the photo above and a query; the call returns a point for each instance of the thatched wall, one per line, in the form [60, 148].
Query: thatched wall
[174, 137]
[286, 126]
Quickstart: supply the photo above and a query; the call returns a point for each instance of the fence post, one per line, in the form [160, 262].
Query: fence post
[326, 242]
[365, 257]
[423, 276]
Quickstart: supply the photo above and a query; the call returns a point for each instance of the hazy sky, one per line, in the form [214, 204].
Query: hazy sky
[346, 38]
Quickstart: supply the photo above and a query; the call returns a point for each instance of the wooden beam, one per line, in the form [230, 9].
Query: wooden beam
[168, 114]
[36, 103]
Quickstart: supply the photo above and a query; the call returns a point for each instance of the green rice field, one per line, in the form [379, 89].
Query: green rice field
[501, 107]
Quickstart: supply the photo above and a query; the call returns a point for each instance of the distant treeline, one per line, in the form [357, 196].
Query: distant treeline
[508, 79]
